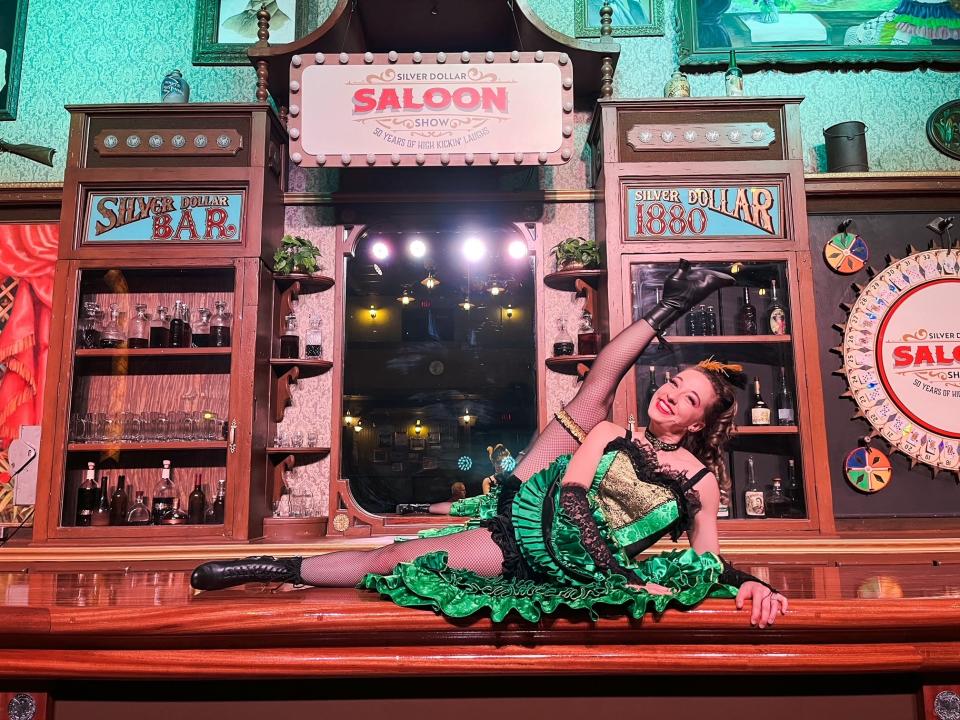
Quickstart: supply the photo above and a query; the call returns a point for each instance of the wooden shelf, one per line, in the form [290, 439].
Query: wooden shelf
[323, 451]
[306, 365]
[308, 283]
[766, 430]
[566, 279]
[151, 352]
[148, 446]
[567, 364]
[725, 339]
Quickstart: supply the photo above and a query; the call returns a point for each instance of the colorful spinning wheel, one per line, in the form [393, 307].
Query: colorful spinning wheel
[846, 253]
[868, 469]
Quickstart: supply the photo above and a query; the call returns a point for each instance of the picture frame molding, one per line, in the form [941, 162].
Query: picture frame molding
[9, 109]
[207, 51]
[583, 29]
[691, 55]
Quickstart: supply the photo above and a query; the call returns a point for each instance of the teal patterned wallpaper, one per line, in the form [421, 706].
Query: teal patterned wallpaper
[71, 58]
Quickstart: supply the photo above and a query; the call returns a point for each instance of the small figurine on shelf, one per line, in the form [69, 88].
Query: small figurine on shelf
[296, 255]
[577, 253]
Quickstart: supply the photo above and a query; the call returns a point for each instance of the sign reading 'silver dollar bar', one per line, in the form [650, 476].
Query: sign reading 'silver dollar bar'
[431, 109]
[709, 211]
[203, 216]
[901, 356]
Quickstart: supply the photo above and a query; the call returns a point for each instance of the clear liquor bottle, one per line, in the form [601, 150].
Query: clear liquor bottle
[747, 315]
[776, 313]
[139, 514]
[163, 494]
[118, 502]
[754, 502]
[101, 513]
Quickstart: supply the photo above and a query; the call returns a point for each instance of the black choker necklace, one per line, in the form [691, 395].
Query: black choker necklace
[659, 444]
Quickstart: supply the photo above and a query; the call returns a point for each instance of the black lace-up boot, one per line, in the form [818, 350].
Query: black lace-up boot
[222, 574]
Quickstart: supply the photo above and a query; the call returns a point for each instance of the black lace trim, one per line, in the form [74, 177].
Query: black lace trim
[648, 469]
[736, 578]
[573, 500]
[504, 535]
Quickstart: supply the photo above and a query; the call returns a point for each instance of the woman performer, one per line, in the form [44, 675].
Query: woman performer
[567, 535]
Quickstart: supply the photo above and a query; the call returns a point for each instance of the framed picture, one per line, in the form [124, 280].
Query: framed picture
[384, 440]
[769, 32]
[943, 129]
[418, 443]
[631, 18]
[400, 438]
[397, 467]
[429, 463]
[433, 439]
[13, 28]
[379, 456]
[224, 29]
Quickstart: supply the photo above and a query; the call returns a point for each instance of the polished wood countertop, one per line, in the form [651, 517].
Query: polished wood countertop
[149, 623]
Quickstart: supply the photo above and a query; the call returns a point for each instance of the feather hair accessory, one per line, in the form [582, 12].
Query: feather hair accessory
[732, 372]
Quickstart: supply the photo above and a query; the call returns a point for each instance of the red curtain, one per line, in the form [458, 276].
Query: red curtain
[28, 253]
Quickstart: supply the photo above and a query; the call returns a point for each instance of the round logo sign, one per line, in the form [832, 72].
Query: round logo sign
[901, 356]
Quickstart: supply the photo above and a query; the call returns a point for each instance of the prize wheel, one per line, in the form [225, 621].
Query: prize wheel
[868, 469]
[846, 253]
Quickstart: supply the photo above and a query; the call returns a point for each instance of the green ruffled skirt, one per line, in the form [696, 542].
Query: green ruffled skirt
[572, 582]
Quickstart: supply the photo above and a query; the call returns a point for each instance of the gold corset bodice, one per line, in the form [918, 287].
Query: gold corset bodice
[625, 498]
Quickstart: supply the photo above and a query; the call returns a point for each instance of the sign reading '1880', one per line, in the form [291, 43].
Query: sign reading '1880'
[710, 211]
[431, 109]
[901, 356]
[201, 216]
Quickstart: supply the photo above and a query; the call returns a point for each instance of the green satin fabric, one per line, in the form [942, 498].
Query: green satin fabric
[482, 507]
[571, 578]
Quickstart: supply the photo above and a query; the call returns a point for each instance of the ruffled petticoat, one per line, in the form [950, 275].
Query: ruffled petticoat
[554, 551]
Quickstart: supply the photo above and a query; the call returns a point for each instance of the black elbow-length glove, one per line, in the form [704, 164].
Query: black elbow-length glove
[573, 500]
[736, 578]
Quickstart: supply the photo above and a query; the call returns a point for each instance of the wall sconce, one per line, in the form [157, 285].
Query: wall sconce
[509, 311]
[418, 428]
[373, 312]
[348, 419]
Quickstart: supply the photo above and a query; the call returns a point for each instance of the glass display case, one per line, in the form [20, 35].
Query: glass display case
[749, 324]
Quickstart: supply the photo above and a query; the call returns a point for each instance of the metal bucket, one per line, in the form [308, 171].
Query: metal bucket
[846, 147]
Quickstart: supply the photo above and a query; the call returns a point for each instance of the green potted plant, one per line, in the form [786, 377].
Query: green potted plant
[577, 253]
[296, 255]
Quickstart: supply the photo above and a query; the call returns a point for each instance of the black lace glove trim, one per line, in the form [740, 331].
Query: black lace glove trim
[736, 578]
[573, 500]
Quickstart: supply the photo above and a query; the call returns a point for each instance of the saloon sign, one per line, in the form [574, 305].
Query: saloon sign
[156, 216]
[901, 356]
[420, 109]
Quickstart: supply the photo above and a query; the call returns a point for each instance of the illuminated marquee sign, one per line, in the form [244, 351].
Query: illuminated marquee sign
[708, 212]
[201, 217]
[431, 109]
[901, 356]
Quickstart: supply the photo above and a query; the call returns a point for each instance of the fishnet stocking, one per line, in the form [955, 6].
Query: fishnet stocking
[472, 550]
[593, 400]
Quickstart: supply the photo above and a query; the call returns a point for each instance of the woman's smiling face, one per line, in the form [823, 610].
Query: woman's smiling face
[679, 406]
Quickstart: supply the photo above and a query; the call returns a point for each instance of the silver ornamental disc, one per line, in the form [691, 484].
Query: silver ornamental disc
[946, 706]
[24, 707]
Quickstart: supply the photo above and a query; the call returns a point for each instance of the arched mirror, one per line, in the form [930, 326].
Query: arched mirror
[439, 361]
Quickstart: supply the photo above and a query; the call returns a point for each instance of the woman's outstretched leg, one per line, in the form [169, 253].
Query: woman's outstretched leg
[685, 287]
[472, 550]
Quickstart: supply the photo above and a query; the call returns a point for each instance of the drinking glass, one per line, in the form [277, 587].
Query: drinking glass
[313, 439]
[296, 440]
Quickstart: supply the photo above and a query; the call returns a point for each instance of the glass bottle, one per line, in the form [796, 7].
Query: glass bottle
[753, 500]
[187, 327]
[793, 490]
[220, 326]
[290, 340]
[777, 503]
[174, 516]
[176, 325]
[313, 343]
[101, 513]
[163, 494]
[759, 410]
[201, 333]
[776, 313]
[113, 335]
[723, 509]
[648, 397]
[89, 328]
[563, 342]
[160, 328]
[197, 502]
[138, 329]
[588, 339]
[733, 78]
[220, 503]
[786, 414]
[139, 514]
[87, 497]
[747, 315]
[118, 502]
[710, 321]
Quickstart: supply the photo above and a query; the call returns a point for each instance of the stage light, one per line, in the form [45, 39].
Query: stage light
[430, 281]
[474, 249]
[373, 312]
[509, 311]
[418, 428]
[406, 297]
[517, 249]
[417, 248]
[380, 250]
